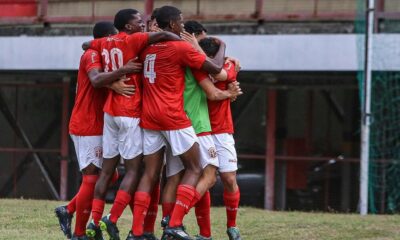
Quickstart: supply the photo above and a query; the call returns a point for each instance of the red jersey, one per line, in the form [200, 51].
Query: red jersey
[117, 50]
[87, 114]
[164, 82]
[220, 111]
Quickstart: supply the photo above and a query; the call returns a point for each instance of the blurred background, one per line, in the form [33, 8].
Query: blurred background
[297, 125]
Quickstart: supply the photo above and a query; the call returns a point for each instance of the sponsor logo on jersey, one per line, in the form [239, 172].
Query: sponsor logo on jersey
[233, 160]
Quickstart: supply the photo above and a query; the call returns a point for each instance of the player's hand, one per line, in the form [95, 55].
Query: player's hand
[122, 88]
[234, 89]
[132, 67]
[155, 28]
[235, 61]
[190, 38]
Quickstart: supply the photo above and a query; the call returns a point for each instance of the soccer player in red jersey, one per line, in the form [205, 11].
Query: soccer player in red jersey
[222, 130]
[122, 133]
[164, 119]
[86, 129]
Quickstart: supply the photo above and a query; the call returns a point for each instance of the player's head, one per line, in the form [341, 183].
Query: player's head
[103, 29]
[210, 46]
[129, 21]
[194, 27]
[152, 24]
[170, 19]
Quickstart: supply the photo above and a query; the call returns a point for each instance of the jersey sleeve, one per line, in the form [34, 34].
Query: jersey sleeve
[95, 44]
[229, 67]
[92, 60]
[199, 75]
[138, 41]
[189, 56]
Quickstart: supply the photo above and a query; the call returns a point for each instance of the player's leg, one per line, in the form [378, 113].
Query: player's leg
[89, 155]
[153, 149]
[174, 173]
[225, 145]
[130, 148]
[152, 212]
[202, 203]
[111, 159]
[184, 143]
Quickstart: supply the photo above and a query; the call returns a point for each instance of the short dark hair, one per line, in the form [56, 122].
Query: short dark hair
[210, 46]
[154, 14]
[194, 27]
[123, 17]
[166, 14]
[103, 29]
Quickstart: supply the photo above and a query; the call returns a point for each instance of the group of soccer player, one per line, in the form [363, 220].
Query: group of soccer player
[151, 99]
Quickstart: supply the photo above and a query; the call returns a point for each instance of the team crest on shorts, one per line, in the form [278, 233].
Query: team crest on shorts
[212, 152]
[98, 152]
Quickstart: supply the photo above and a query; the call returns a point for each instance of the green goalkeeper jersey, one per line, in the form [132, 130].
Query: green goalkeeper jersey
[195, 104]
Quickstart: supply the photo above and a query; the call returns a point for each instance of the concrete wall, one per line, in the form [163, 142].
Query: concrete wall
[257, 52]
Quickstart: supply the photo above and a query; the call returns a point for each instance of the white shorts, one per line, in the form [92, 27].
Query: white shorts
[180, 140]
[88, 150]
[122, 136]
[208, 156]
[225, 145]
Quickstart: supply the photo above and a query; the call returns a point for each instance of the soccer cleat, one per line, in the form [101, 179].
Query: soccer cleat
[199, 237]
[165, 221]
[150, 236]
[94, 232]
[131, 237]
[111, 228]
[79, 238]
[233, 233]
[177, 233]
[64, 219]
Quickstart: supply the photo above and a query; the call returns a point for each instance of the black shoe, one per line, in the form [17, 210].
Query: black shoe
[93, 232]
[131, 237]
[110, 227]
[233, 233]
[150, 236]
[178, 233]
[165, 222]
[64, 219]
[79, 238]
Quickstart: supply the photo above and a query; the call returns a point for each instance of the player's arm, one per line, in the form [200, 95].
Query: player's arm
[155, 37]
[214, 65]
[101, 79]
[215, 94]
[229, 72]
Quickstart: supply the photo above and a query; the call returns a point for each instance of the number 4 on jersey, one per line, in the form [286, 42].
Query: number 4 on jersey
[149, 68]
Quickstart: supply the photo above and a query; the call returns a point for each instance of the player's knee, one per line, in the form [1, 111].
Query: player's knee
[212, 179]
[229, 180]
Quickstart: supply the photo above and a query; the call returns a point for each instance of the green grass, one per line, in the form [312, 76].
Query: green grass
[33, 219]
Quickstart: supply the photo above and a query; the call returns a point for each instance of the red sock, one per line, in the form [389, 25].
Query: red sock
[84, 203]
[97, 210]
[121, 201]
[167, 209]
[142, 201]
[71, 207]
[231, 201]
[196, 198]
[184, 196]
[151, 216]
[202, 211]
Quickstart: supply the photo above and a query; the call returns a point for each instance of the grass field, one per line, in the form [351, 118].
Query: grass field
[32, 219]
